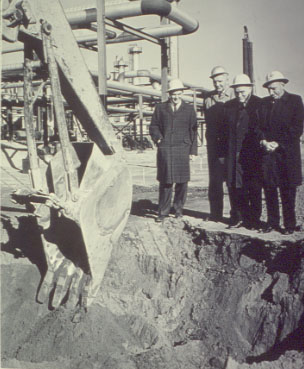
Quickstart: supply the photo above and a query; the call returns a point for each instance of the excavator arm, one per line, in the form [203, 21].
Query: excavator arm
[82, 197]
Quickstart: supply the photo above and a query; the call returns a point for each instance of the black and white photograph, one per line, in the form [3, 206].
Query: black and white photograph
[152, 184]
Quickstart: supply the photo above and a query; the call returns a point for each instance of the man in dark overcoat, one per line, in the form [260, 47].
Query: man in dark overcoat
[213, 107]
[240, 147]
[174, 130]
[281, 125]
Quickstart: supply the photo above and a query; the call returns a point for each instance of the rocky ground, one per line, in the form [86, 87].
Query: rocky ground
[185, 294]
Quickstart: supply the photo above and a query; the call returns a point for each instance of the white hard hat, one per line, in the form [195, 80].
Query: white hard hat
[275, 76]
[241, 80]
[218, 70]
[176, 84]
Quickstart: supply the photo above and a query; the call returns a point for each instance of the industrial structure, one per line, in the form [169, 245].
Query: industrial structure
[130, 104]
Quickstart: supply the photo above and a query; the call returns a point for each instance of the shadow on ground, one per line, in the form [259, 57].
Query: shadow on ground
[148, 209]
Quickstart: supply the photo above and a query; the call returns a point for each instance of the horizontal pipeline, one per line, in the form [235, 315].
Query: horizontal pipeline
[184, 24]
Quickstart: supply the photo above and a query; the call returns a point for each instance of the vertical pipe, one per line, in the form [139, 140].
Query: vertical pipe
[173, 51]
[164, 63]
[195, 100]
[131, 65]
[134, 129]
[102, 59]
[134, 65]
[195, 108]
[164, 70]
[245, 51]
[28, 118]
[250, 61]
[245, 56]
[141, 119]
[10, 126]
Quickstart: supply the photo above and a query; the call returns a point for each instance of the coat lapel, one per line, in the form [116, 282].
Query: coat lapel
[182, 107]
[169, 109]
[281, 105]
[169, 113]
[234, 115]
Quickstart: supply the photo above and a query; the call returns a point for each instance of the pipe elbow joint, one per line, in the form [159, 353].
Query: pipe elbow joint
[159, 7]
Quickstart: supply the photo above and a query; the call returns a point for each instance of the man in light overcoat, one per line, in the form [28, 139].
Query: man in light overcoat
[174, 130]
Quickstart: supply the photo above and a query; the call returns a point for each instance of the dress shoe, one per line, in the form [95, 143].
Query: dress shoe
[178, 215]
[160, 218]
[269, 229]
[215, 218]
[238, 224]
[255, 226]
[287, 231]
[233, 221]
[291, 230]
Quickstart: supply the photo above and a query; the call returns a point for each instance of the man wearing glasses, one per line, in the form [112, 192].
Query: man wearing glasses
[174, 130]
[240, 146]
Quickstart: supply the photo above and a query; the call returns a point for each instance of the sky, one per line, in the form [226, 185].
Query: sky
[276, 29]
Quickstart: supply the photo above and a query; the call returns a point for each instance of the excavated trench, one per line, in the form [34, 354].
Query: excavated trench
[176, 295]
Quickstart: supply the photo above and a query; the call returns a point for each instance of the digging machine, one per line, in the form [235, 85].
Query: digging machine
[81, 195]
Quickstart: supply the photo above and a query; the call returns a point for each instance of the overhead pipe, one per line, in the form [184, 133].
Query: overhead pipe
[163, 8]
[121, 88]
[110, 100]
[115, 109]
[185, 24]
[92, 37]
[154, 77]
[18, 67]
[127, 87]
[113, 86]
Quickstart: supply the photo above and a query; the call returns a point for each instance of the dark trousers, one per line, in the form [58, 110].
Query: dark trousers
[216, 181]
[246, 203]
[288, 198]
[165, 196]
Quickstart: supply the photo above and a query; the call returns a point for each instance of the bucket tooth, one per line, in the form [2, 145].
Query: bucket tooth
[74, 289]
[63, 282]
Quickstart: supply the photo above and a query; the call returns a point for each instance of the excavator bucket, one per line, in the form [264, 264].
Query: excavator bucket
[78, 244]
[104, 212]
[89, 189]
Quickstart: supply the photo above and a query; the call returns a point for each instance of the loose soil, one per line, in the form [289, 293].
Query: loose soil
[185, 294]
